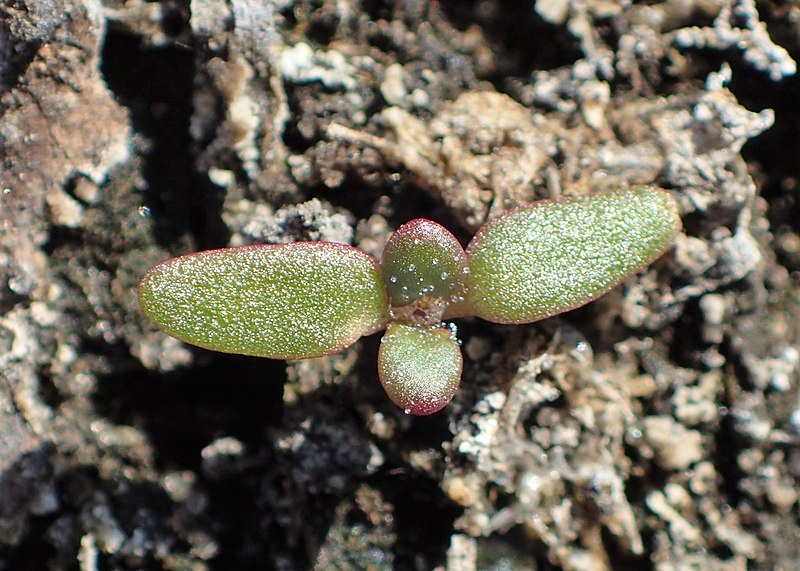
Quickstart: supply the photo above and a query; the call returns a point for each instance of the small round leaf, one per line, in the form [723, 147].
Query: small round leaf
[535, 261]
[422, 258]
[294, 301]
[420, 368]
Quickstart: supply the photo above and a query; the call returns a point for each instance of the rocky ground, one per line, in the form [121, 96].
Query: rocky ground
[656, 428]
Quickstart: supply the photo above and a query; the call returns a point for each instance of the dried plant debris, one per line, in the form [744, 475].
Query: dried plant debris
[361, 536]
[652, 31]
[658, 428]
[737, 24]
[479, 155]
[548, 454]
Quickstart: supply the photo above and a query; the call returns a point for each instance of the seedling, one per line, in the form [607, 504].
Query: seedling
[309, 299]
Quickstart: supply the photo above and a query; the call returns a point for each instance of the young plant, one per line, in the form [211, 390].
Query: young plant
[309, 299]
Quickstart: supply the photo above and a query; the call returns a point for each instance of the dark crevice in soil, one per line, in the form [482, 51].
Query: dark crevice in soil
[16, 55]
[728, 443]
[184, 411]
[512, 29]
[33, 553]
[775, 152]
[728, 440]
[61, 236]
[156, 84]
[688, 345]
[423, 519]
[175, 18]
[621, 557]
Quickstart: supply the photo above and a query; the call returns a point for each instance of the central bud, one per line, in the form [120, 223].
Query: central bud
[426, 311]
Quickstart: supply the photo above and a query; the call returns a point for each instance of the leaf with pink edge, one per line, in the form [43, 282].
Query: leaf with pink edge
[294, 301]
[539, 260]
[420, 368]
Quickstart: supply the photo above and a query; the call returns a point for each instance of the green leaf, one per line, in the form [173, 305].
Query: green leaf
[299, 300]
[535, 261]
[422, 258]
[420, 368]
